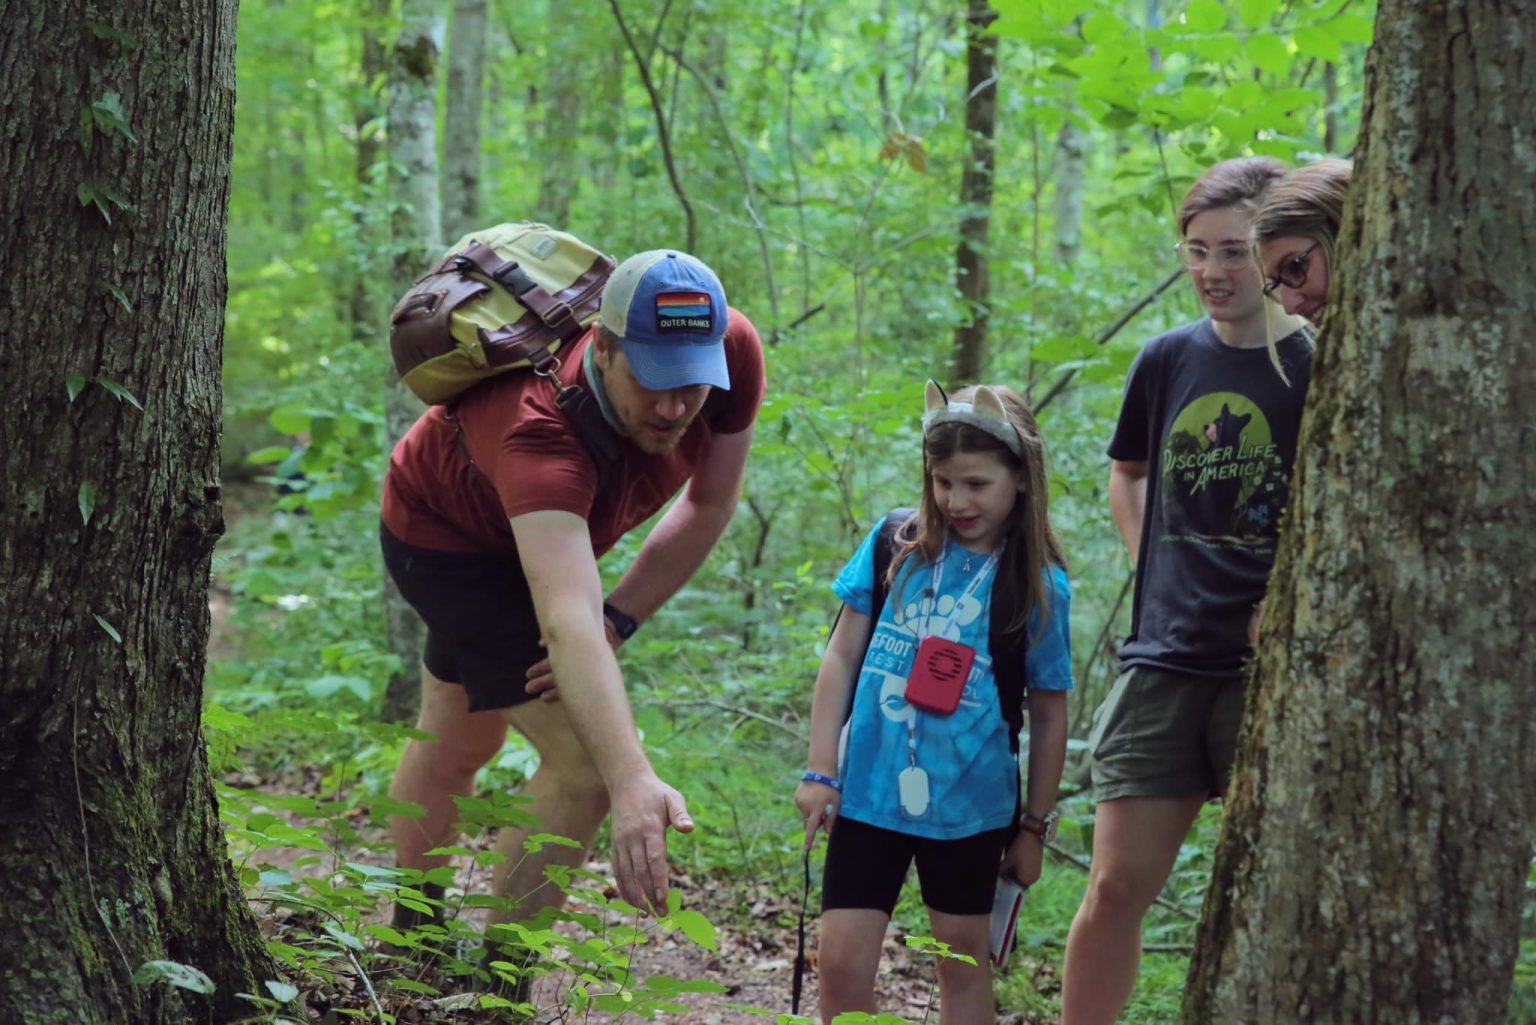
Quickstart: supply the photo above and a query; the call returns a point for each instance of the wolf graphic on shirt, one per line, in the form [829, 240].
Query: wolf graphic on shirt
[1223, 480]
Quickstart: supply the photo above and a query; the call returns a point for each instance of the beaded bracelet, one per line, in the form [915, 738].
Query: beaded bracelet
[816, 777]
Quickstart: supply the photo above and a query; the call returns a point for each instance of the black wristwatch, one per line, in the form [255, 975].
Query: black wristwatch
[1043, 827]
[623, 625]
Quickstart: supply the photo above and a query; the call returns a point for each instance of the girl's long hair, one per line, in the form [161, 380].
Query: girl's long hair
[1019, 587]
[1308, 202]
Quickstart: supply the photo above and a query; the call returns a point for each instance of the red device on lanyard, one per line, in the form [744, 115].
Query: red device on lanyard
[938, 675]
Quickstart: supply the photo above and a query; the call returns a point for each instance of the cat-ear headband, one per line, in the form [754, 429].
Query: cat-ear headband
[986, 413]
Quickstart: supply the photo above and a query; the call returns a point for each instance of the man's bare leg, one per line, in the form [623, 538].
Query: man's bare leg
[432, 773]
[569, 799]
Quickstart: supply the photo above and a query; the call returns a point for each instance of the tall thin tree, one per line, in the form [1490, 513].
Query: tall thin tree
[461, 120]
[416, 236]
[366, 298]
[114, 172]
[1378, 836]
[568, 52]
[972, 278]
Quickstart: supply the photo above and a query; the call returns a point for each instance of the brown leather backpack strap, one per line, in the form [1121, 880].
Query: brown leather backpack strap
[484, 259]
[508, 345]
[556, 314]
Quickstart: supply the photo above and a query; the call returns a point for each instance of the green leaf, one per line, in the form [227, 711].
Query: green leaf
[1256, 13]
[270, 454]
[282, 992]
[412, 986]
[343, 937]
[665, 986]
[108, 114]
[536, 843]
[119, 295]
[290, 419]
[1354, 27]
[123, 394]
[103, 31]
[179, 975]
[698, 929]
[1204, 16]
[1320, 43]
[1119, 117]
[1103, 27]
[327, 686]
[116, 637]
[89, 197]
[74, 384]
[1269, 53]
[85, 498]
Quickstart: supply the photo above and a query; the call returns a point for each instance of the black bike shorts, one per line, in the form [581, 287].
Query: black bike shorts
[866, 866]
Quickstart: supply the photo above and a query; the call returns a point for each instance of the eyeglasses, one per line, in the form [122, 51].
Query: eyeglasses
[1293, 270]
[1193, 254]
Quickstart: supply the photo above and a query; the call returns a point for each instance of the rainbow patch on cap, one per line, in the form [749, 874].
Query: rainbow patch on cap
[684, 312]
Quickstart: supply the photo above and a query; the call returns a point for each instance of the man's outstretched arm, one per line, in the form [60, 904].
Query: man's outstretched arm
[556, 552]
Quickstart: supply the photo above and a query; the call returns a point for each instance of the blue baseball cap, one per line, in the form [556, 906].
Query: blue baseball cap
[668, 310]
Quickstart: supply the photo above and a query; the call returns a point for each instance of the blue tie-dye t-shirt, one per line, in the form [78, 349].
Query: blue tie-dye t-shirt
[972, 773]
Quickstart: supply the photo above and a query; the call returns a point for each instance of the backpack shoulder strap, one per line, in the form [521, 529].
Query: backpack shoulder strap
[885, 548]
[1010, 653]
[885, 545]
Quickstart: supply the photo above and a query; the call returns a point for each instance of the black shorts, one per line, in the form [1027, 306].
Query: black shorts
[481, 628]
[866, 866]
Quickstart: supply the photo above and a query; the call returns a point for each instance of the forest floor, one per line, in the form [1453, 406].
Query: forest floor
[755, 921]
[754, 962]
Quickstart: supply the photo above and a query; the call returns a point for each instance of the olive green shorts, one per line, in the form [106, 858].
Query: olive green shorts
[1165, 734]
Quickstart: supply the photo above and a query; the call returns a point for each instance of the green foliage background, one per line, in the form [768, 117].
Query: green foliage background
[821, 144]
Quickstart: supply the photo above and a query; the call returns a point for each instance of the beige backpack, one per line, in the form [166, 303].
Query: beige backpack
[503, 298]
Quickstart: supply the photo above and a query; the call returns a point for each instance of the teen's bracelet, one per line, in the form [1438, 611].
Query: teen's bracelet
[816, 777]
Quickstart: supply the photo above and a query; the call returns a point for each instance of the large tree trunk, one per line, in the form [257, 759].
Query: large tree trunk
[461, 123]
[414, 231]
[1379, 830]
[113, 853]
[971, 275]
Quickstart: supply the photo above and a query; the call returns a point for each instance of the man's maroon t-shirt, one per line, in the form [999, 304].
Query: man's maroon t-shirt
[529, 459]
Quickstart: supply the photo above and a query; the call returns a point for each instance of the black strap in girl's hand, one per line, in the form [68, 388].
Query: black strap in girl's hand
[805, 898]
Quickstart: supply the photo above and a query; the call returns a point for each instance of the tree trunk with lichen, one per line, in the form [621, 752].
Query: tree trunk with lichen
[461, 120]
[415, 241]
[115, 163]
[1378, 833]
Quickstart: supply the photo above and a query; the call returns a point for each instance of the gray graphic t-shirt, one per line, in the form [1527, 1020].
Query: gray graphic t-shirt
[1218, 428]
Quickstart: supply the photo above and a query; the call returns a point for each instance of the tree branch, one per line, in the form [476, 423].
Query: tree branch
[1108, 333]
[746, 187]
[663, 134]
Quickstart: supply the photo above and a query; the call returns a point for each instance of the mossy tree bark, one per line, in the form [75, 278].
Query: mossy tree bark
[1378, 833]
[416, 241]
[114, 172]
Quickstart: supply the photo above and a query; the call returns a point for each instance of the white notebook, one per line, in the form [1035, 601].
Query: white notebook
[1005, 919]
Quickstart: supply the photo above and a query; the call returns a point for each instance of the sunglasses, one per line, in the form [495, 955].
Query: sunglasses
[1293, 271]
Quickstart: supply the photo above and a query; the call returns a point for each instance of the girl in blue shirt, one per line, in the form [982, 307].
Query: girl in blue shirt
[911, 757]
